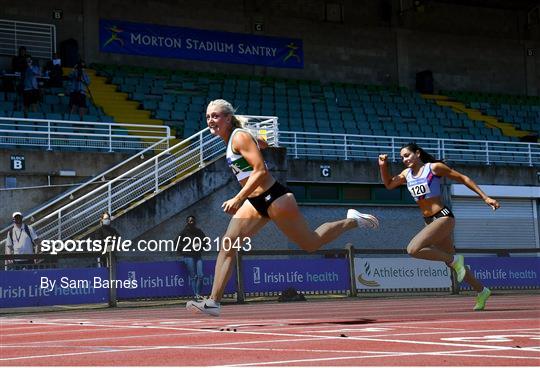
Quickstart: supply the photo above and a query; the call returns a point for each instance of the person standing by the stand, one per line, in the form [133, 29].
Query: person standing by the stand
[106, 230]
[31, 92]
[191, 241]
[21, 239]
[79, 83]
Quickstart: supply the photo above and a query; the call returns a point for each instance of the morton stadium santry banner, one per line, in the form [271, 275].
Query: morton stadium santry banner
[196, 44]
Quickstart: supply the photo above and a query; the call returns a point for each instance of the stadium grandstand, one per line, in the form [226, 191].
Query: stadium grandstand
[117, 144]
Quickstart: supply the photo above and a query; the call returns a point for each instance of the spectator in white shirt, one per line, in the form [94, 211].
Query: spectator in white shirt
[21, 239]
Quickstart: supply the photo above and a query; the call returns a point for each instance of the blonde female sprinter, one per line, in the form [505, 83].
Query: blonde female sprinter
[260, 200]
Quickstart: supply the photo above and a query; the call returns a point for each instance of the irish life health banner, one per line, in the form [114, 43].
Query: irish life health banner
[196, 44]
[29, 288]
[165, 279]
[274, 275]
[505, 272]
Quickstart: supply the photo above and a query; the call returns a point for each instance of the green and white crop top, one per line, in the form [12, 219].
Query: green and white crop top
[238, 164]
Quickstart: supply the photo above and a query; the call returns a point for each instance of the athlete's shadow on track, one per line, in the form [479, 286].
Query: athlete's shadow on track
[361, 321]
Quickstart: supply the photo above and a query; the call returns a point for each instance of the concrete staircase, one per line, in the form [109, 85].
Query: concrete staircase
[201, 193]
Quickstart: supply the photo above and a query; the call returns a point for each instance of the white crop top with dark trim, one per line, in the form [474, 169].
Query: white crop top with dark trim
[426, 185]
[239, 165]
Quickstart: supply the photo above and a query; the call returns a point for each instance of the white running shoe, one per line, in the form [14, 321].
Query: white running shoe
[205, 306]
[363, 219]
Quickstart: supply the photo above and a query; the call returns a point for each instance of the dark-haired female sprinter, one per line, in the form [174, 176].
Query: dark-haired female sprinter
[434, 242]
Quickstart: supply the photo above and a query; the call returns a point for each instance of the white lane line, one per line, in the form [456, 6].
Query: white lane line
[286, 323]
[188, 347]
[276, 322]
[463, 353]
[59, 332]
[273, 341]
[199, 331]
[33, 344]
[112, 349]
[330, 337]
[406, 324]
[72, 354]
[321, 316]
[363, 306]
[353, 305]
[433, 333]
[217, 347]
[145, 348]
[378, 355]
[393, 355]
[301, 337]
[40, 343]
[442, 344]
[455, 321]
[488, 356]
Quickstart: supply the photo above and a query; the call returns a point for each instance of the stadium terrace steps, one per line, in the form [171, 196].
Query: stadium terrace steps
[117, 104]
[507, 129]
[521, 111]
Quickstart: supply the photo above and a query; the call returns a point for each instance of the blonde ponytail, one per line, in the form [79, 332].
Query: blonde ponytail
[238, 121]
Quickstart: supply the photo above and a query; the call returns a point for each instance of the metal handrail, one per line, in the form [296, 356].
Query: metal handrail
[79, 134]
[12, 31]
[83, 185]
[351, 146]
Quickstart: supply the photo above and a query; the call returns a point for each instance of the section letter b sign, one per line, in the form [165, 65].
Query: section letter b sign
[17, 162]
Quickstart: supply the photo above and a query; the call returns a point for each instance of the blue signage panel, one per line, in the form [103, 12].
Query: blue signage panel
[302, 274]
[30, 288]
[165, 279]
[196, 44]
[506, 272]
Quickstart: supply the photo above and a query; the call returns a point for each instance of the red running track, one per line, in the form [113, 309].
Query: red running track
[414, 331]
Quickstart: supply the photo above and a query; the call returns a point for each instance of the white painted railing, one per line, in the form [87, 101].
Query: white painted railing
[38, 38]
[65, 134]
[83, 188]
[361, 147]
[264, 127]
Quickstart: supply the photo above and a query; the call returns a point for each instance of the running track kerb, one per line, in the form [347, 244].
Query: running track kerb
[434, 331]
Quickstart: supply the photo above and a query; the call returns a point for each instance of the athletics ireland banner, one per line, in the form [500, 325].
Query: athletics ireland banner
[196, 44]
[397, 274]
